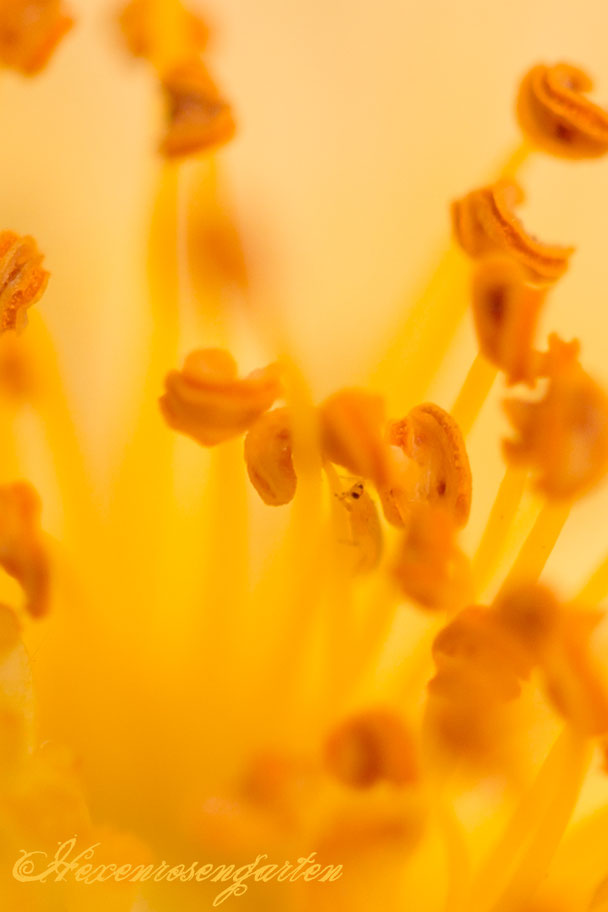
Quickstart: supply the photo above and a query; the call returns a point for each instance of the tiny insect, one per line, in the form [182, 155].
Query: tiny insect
[364, 526]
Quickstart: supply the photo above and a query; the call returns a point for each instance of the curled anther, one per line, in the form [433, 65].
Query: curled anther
[22, 551]
[30, 30]
[554, 112]
[268, 456]
[22, 279]
[209, 403]
[506, 310]
[430, 437]
[363, 548]
[563, 437]
[136, 21]
[199, 119]
[352, 429]
[429, 566]
[484, 223]
[371, 747]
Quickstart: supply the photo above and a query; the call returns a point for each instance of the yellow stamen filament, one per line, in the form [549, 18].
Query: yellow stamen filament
[539, 544]
[473, 393]
[595, 589]
[499, 522]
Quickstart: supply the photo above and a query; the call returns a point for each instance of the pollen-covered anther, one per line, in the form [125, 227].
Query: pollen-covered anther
[352, 432]
[430, 437]
[506, 310]
[554, 112]
[136, 21]
[363, 548]
[22, 279]
[208, 402]
[22, 551]
[484, 223]
[371, 747]
[563, 437]
[429, 566]
[268, 456]
[199, 119]
[30, 30]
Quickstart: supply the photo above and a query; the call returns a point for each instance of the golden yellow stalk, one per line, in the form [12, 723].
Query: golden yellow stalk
[595, 589]
[500, 520]
[539, 544]
[473, 393]
[521, 856]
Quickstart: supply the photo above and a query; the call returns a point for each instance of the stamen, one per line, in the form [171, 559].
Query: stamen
[269, 459]
[137, 23]
[199, 118]
[429, 567]
[595, 589]
[473, 393]
[352, 429]
[30, 31]
[499, 522]
[555, 114]
[206, 400]
[22, 279]
[373, 746]
[431, 437]
[564, 436]
[484, 223]
[22, 553]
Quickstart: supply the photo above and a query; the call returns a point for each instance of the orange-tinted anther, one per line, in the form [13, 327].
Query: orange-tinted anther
[429, 567]
[484, 222]
[199, 119]
[352, 428]
[22, 552]
[364, 547]
[9, 630]
[431, 437]
[22, 279]
[268, 456]
[556, 115]
[208, 402]
[371, 747]
[530, 613]
[506, 310]
[137, 25]
[476, 645]
[30, 30]
[564, 436]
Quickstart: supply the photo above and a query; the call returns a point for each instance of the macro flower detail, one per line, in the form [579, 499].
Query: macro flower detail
[484, 222]
[556, 115]
[30, 30]
[22, 551]
[208, 402]
[429, 566]
[430, 437]
[371, 747]
[22, 279]
[268, 455]
[199, 118]
[352, 430]
[363, 547]
[506, 310]
[564, 435]
[136, 21]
